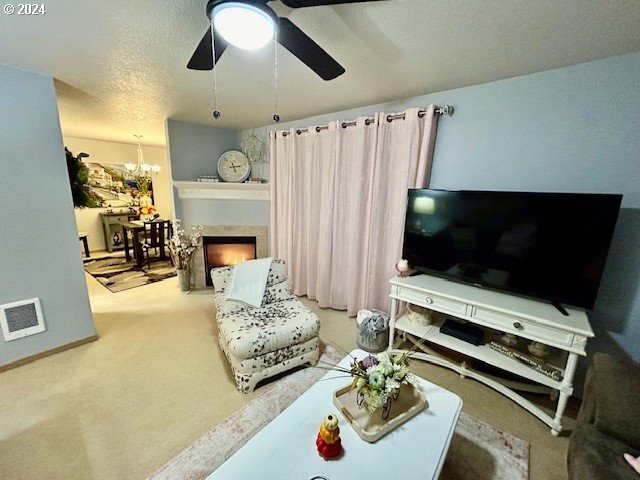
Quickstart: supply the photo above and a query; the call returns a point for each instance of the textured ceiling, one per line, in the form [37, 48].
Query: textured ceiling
[120, 65]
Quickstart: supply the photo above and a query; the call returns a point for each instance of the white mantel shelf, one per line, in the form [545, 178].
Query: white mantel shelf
[223, 191]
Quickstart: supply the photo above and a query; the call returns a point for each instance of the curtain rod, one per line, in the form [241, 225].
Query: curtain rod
[444, 110]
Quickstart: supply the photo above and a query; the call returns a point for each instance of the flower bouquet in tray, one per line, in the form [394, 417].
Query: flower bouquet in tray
[378, 379]
[382, 395]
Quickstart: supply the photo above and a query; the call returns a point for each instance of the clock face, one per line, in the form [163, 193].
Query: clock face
[234, 167]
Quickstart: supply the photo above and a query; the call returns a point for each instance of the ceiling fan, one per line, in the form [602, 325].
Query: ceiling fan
[251, 24]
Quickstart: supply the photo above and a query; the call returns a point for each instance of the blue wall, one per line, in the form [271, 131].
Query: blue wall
[194, 149]
[39, 248]
[574, 129]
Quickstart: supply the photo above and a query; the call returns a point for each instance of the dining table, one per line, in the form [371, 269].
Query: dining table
[134, 227]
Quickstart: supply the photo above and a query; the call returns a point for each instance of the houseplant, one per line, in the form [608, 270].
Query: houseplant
[79, 180]
[182, 247]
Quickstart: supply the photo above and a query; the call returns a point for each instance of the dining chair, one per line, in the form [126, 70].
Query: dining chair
[82, 236]
[156, 234]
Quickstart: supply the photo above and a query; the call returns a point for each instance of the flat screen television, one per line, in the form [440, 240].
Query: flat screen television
[551, 246]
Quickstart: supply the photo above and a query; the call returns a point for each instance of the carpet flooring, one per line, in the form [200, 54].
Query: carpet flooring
[118, 274]
[156, 381]
[478, 451]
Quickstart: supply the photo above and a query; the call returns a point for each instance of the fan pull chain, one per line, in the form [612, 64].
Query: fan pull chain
[216, 112]
[276, 117]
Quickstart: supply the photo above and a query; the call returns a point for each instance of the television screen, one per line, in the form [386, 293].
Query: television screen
[551, 246]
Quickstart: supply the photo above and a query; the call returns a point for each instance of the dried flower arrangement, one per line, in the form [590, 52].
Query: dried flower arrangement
[182, 246]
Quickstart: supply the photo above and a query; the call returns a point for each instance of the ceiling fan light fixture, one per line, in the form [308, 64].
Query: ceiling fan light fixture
[242, 25]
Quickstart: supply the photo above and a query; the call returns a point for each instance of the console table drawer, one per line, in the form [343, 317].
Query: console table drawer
[517, 326]
[435, 302]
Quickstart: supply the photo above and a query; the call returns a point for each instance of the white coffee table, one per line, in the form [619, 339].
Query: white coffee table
[286, 450]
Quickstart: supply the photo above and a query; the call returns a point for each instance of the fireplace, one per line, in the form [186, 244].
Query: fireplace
[226, 251]
[226, 245]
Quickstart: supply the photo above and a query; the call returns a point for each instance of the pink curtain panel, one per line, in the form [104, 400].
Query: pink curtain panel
[338, 202]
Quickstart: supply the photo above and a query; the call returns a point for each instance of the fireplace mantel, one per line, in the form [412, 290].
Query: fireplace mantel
[223, 191]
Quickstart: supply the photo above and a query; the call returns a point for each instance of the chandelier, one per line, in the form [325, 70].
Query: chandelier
[141, 168]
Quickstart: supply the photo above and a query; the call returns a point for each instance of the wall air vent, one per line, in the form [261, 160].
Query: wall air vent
[21, 319]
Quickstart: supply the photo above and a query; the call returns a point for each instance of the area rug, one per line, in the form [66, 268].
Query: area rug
[478, 450]
[117, 274]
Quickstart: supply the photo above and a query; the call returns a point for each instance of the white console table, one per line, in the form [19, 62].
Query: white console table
[525, 318]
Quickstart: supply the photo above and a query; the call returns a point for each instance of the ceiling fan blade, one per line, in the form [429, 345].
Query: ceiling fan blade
[308, 51]
[202, 58]
[320, 3]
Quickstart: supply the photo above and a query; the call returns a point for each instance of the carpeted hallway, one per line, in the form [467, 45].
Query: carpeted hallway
[156, 380]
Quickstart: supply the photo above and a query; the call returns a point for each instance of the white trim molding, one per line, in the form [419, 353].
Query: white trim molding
[223, 191]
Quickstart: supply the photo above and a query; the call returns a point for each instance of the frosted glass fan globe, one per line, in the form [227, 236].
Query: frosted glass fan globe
[242, 25]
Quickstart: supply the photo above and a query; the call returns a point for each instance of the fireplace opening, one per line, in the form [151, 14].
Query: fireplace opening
[227, 251]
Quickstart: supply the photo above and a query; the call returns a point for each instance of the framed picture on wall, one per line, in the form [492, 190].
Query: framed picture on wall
[110, 186]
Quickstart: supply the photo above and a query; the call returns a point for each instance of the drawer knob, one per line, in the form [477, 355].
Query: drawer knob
[518, 326]
[429, 300]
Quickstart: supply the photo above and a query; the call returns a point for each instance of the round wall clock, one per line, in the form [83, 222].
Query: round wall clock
[234, 167]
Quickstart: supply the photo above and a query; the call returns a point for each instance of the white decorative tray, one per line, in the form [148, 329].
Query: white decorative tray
[371, 426]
